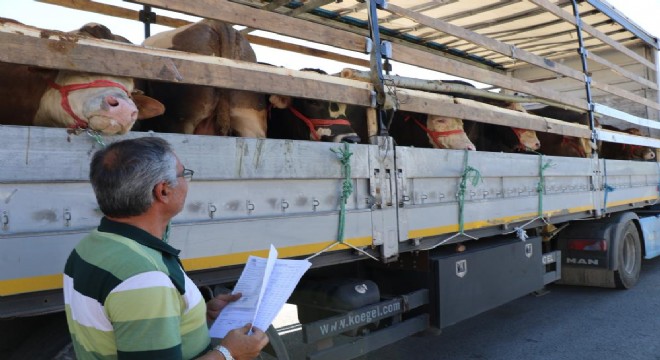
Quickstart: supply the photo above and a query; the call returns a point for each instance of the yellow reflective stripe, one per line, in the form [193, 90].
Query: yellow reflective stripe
[284, 252]
[447, 229]
[49, 282]
[30, 284]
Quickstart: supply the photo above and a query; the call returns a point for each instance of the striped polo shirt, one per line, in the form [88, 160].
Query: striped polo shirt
[127, 297]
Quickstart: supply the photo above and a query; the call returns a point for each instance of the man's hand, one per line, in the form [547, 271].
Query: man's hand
[243, 346]
[215, 305]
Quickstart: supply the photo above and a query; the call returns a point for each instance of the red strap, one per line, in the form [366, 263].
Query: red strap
[66, 89]
[434, 134]
[312, 124]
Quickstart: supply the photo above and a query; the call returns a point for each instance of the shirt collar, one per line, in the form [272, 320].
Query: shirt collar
[138, 235]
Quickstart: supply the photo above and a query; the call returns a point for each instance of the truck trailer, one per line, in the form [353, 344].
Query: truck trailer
[424, 237]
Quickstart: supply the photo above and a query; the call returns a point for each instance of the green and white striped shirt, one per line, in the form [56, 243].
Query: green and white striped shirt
[127, 297]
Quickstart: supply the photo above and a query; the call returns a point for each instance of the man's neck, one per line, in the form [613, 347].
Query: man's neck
[148, 222]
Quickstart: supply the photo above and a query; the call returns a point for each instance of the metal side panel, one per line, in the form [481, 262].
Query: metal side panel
[246, 194]
[506, 193]
[630, 183]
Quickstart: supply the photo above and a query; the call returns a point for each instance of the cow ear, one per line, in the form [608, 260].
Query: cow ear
[280, 101]
[147, 107]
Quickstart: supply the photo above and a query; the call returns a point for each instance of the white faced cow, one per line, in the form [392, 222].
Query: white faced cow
[107, 104]
[193, 109]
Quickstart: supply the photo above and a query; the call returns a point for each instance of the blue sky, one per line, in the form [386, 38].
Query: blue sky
[645, 13]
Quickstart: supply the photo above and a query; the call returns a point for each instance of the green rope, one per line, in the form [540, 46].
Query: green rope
[540, 188]
[344, 156]
[475, 177]
[96, 136]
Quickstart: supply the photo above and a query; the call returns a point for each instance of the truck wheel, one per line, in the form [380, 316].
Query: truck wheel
[629, 256]
[276, 349]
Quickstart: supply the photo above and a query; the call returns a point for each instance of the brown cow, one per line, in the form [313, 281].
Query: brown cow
[41, 97]
[194, 109]
[561, 145]
[610, 150]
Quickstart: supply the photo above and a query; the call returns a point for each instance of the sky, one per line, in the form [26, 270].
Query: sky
[644, 13]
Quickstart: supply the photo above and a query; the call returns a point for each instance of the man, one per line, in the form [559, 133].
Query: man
[125, 292]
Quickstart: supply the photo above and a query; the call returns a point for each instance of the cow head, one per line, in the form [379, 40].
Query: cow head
[637, 152]
[526, 140]
[447, 133]
[319, 120]
[107, 104]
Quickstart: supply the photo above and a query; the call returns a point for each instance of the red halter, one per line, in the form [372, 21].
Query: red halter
[435, 134]
[66, 89]
[313, 124]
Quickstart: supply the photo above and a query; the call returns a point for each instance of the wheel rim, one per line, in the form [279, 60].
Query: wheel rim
[629, 254]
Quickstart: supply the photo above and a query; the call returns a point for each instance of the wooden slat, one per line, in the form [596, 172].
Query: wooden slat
[625, 94]
[110, 10]
[559, 12]
[32, 46]
[486, 42]
[444, 105]
[232, 13]
[621, 71]
[445, 65]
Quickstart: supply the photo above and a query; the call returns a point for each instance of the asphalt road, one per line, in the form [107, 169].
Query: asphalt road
[567, 323]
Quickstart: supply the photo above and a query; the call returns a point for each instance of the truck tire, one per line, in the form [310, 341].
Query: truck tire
[629, 257]
[276, 349]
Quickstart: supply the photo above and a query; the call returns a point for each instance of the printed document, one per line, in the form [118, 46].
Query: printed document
[266, 284]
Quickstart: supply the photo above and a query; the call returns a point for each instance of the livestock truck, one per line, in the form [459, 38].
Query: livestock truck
[427, 237]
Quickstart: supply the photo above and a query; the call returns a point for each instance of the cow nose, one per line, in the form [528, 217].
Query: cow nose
[111, 101]
[471, 147]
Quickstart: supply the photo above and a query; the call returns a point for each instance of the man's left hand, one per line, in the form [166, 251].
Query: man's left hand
[215, 305]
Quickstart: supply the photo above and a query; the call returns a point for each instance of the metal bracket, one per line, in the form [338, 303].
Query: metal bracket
[386, 49]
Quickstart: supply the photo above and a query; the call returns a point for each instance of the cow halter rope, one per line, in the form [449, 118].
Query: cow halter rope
[79, 123]
[434, 135]
[313, 124]
[344, 156]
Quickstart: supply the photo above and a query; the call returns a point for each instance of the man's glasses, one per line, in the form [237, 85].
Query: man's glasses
[186, 174]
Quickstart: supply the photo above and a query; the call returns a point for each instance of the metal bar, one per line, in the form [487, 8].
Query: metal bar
[625, 22]
[587, 77]
[376, 64]
[373, 341]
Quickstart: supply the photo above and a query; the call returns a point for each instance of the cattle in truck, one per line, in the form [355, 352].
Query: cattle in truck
[429, 131]
[562, 145]
[206, 110]
[611, 150]
[44, 97]
[499, 138]
[487, 136]
[318, 120]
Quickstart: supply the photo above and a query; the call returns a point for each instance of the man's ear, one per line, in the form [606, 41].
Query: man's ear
[162, 191]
